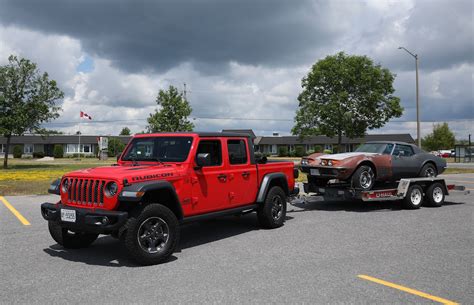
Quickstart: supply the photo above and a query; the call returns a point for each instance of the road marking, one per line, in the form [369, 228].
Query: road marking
[15, 212]
[406, 289]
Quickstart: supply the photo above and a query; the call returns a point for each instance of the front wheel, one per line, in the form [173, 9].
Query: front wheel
[152, 237]
[272, 212]
[69, 239]
[363, 178]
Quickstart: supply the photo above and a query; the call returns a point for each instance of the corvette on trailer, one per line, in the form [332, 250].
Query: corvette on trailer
[371, 163]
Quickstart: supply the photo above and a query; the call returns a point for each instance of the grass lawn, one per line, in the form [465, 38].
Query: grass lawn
[30, 177]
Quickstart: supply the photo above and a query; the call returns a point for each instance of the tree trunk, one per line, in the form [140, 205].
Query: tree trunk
[339, 141]
[7, 149]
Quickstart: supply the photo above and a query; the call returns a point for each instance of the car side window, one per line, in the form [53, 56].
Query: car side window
[388, 149]
[213, 148]
[403, 150]
[237, 151]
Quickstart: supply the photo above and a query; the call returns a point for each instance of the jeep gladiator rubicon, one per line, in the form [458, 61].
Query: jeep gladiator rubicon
[161, 181]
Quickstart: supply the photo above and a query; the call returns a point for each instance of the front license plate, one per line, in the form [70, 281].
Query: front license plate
[68, 215]
[314, 171]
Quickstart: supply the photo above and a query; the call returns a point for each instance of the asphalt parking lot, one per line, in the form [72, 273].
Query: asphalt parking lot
[325, 253]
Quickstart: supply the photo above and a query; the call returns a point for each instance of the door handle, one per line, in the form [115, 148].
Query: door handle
[222, 177]
[245, 174]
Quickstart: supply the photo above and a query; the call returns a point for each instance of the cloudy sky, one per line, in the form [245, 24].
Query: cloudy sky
[242, 61]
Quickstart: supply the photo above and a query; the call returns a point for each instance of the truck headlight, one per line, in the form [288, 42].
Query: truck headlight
[65, 185]
[111, 189]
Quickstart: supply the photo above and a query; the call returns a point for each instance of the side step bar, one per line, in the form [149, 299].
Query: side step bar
[233, 211]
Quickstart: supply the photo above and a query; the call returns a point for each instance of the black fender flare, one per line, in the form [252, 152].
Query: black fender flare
[54, 188]
[265, 185]
[128, 193]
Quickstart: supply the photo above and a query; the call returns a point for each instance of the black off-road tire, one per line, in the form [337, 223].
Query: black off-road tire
[363, 178]
[166, 223]
[429, 170]
[414, 197]
[272, 212]
[69, 239]
[435, 195]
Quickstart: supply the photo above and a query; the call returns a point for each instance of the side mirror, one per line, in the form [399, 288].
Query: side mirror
[203, 159]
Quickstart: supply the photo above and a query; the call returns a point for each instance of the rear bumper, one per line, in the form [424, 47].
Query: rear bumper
[87, 220]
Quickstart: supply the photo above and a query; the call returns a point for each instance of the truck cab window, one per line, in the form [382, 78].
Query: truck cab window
[212, 147]
[237, 151]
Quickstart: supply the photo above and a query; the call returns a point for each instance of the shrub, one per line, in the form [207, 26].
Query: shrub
[38, 154]
[282, 151]
[310, 152]
[299, 151]
[17, 151]
[318, 148]
[58, 151]
[327, 151]
[291, 154]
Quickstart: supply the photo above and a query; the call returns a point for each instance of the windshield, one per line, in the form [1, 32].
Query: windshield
[379, 148]
[164, 149]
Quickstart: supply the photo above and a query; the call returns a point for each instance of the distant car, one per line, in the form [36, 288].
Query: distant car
[445, 153]
[372, 162]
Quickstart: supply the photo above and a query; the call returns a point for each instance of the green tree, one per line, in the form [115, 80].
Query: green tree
[27, 99]
[345, 95]
[282, 151]
[115, 147]
[125, 131]
[441, 138]
[17, 152]
[173, 115]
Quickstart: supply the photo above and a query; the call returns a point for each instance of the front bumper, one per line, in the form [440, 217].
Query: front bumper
[326, 172]
[87, 220]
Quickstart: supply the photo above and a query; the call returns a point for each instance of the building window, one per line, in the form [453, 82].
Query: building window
[274, 149]
[28, 148]
[328, 146]
[73, 148]
[2, 148]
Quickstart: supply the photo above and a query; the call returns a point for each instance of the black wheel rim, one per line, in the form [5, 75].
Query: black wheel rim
[430, 172]
[277, 207]
[153, 234]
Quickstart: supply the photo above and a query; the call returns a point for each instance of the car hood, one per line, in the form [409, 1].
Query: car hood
[343, 156]
[131, 173]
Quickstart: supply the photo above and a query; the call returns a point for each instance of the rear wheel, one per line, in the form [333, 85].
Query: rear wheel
[153, 235]
[414, 197]
[435, 195]
[363, 178]
[272, 212]
[70, 239]
[428, 170]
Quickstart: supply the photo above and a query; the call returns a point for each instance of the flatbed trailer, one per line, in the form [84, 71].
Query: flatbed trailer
[413, 192]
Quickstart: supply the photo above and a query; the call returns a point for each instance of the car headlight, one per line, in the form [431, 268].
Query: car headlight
[65, 185]
[111, 189]
[304, 162]
[323, 162]
[330, 162]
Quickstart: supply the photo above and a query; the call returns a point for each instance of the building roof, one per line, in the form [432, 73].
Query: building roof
[58, 139]
[321, 140]
[248, 132]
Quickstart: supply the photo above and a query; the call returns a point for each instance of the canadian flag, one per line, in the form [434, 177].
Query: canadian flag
[85, 115]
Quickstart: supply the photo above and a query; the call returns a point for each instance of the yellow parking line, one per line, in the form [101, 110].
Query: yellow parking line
[15, 212]
[406, 289]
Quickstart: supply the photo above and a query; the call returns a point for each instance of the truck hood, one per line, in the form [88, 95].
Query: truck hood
[131, 173]
[343, 156]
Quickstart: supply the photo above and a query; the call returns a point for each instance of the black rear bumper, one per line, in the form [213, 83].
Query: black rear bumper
[87, 220]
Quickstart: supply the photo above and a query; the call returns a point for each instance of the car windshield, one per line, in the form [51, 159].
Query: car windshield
[163, 149]
[379, 148]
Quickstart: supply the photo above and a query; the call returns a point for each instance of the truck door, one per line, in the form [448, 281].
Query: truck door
[242, 175]
[209, 183]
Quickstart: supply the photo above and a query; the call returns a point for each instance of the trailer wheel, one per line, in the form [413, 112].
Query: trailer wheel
[435, 195]
[413, 198]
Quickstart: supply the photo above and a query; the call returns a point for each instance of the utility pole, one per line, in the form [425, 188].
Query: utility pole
[418, 134]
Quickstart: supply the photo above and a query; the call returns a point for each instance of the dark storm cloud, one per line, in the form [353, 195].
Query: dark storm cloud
[157, 35]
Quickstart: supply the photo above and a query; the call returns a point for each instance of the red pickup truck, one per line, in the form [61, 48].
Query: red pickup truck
[161, 181]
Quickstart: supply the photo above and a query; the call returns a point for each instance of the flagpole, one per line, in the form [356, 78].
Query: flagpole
[79, 130]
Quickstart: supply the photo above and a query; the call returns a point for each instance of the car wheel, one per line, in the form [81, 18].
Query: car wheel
[69, 239]
[272, 212]
[152, 237]
[428, 171]
[435, 195]
[363, 178]
[414, 197]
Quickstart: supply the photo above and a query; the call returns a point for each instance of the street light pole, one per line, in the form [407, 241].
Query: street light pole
[418, 134]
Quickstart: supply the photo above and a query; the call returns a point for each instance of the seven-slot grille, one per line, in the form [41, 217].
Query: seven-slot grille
[86, 191]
